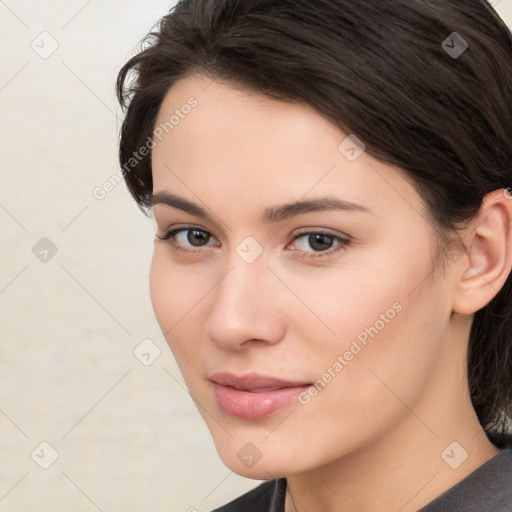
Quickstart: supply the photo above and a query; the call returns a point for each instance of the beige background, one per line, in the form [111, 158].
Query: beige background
[126, 436]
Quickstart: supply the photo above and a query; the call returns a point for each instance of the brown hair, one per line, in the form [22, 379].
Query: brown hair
[426, 85]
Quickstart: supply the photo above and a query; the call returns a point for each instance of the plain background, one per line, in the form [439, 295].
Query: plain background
[74, 298]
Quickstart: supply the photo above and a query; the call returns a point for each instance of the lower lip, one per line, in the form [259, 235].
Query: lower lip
[256, 405]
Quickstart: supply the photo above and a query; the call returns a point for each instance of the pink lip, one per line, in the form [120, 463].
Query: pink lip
[254, 396]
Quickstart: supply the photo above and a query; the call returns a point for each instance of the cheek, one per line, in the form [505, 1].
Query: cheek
[368, 292]
[333, 306]
[160, 286]
[382, 318]
[174, 293]
[178, 295]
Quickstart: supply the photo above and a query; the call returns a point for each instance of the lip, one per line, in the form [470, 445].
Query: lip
[254, 396]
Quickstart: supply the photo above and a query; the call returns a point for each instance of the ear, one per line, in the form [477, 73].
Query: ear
[488, 261]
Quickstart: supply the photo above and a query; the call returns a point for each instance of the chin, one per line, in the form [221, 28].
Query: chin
[258, 459]
[262, 470]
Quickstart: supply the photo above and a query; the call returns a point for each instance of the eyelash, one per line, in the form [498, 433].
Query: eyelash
[342, 243]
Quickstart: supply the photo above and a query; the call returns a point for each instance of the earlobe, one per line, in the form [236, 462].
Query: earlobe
[488, 239]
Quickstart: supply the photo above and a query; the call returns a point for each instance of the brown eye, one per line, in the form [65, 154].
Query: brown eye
[197, 237]
[316, 243]
[189, 238]
[320, 242]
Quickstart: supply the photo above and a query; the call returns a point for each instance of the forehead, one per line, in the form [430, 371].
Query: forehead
[238, 120]
[235, 143]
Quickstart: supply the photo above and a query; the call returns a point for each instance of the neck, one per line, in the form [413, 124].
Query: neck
[406, 468]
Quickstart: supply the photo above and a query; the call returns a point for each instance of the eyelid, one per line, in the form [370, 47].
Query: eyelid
[171, 233]
[343, 240]
[182, 227]
[323, 231]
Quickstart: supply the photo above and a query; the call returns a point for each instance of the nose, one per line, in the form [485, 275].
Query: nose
[246, 307]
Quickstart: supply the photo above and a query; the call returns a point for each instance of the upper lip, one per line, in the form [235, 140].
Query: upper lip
[254, 381]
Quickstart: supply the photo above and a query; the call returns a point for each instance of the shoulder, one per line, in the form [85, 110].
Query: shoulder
[488, 488]
[267, 497]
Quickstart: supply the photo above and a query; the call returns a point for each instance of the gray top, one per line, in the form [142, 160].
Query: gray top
[487, 489]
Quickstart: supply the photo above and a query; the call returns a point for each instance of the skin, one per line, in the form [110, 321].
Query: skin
[372, 439]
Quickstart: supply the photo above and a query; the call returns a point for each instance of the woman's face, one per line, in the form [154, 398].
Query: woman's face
[295, 259]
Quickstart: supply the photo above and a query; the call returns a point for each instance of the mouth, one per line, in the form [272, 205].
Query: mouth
[254, 396]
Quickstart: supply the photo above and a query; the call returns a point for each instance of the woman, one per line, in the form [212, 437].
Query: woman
[330, 182]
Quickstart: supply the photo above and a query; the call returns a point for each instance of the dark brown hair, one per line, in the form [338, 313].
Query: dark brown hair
[395, 74]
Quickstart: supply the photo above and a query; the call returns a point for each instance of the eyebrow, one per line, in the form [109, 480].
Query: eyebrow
[275, 214]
